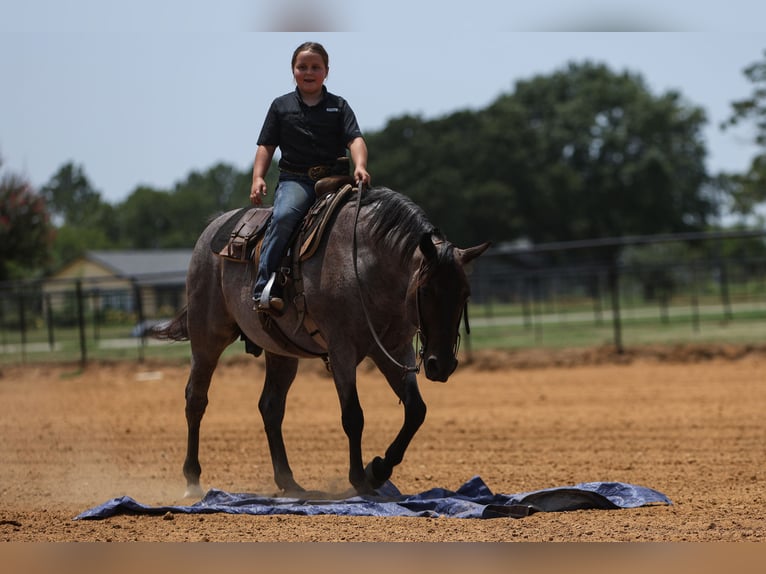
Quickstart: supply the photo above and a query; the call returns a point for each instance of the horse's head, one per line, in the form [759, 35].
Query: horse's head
[441, 291]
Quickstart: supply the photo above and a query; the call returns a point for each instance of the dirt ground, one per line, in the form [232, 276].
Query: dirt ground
[687, 421]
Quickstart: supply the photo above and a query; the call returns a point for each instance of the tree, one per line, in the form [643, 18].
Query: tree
[71, 198]
[26, 233]
[84, 220]
[154, 218]
[593, 154]
[145, 220]
[201, 196]
[435, 163]
[749, 189]
[581, 153]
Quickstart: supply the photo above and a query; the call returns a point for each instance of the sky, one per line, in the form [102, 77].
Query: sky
[147, 91]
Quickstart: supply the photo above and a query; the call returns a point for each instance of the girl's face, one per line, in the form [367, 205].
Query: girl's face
[309, 73]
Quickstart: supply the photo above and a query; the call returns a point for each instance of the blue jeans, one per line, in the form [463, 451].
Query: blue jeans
[293, 198]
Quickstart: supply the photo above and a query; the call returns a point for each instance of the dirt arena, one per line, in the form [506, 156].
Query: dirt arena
[688, 422]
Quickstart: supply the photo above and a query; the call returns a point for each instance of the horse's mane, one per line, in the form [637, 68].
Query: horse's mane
[398, 223]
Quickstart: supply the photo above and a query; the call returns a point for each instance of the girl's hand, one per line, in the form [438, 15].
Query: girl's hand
[361, 175]
[258, 191]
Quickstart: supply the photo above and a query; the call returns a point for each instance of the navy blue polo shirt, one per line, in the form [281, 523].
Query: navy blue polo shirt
[309, 135]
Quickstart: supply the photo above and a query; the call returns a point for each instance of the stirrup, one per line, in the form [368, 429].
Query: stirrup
[267, 303]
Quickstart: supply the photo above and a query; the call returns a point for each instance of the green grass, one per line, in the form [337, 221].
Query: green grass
[745, 327]
[740, 331]
[122, 349]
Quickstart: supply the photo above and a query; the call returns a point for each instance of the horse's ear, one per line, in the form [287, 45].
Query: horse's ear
[427, 246]
[467, 255]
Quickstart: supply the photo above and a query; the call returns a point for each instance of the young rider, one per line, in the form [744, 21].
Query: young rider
[312, 128]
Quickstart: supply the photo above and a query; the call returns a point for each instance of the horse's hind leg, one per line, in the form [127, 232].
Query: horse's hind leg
[379, 470]
[280, 373]
[196, 402]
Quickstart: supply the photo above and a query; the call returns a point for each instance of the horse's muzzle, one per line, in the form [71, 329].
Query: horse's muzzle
[439, 370]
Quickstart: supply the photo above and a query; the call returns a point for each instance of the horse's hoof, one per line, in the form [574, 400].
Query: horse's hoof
[193, 491]
[364, 489]
[377, 472]
[290, 488]
[296, 491]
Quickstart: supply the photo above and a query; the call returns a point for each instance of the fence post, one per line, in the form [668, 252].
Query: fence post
[96, 310]
[537, 308]
[81, 324]
[49, 321]
[23, 326]
[614, 287]
[140, 318]
[724, 281]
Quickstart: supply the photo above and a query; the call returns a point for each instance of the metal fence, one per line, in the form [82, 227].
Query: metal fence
[711, 284]
[660, 289]
[86, 318]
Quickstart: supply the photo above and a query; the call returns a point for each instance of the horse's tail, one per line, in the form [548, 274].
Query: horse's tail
[175, 330]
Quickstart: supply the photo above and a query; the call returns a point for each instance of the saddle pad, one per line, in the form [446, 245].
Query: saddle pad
[317, 219]
[235, 236]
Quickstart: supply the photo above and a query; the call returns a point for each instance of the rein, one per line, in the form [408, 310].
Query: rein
[414, 369]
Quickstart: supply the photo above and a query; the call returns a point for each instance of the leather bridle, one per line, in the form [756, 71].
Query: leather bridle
[421, 335]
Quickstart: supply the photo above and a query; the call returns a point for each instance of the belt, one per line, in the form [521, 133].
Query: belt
[317, 172]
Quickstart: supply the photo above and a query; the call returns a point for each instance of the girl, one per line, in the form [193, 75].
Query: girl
[313, 128]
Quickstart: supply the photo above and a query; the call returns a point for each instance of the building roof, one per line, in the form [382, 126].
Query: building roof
[146, 267]
[137, 263]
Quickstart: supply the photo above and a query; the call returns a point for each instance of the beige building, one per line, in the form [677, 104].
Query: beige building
[123, 280]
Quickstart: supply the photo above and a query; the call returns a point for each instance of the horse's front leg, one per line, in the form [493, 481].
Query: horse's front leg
[352, 418]
[405, 385]
[280, 373]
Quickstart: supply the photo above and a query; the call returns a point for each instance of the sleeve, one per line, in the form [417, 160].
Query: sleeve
[270, 130]
[351, 129]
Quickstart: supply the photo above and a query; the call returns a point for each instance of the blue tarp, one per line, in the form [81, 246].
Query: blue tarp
[472, 500]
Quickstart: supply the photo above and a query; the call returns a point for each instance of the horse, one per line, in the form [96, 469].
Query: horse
[381, 278]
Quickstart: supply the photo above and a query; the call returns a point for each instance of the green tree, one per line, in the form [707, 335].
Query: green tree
[26, 233]
[153, 218]
[592, 154]
[71, 198]
[435, 163]
[749, 189]
[84, 220]
[145, 220]
[203, 195]
[581, 153]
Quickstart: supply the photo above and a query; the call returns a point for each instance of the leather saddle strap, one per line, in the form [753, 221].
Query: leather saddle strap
[271, 326]
[304, 319]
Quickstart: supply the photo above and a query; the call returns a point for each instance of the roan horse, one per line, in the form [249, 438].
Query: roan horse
[381, 275]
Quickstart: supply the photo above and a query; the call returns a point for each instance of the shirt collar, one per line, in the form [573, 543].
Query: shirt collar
[300, 98]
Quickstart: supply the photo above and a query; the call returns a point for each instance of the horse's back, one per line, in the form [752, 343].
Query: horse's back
[206, 302]
[203, 255]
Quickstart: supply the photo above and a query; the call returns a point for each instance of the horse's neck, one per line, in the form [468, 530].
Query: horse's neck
[394, 282]
[413, 280]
